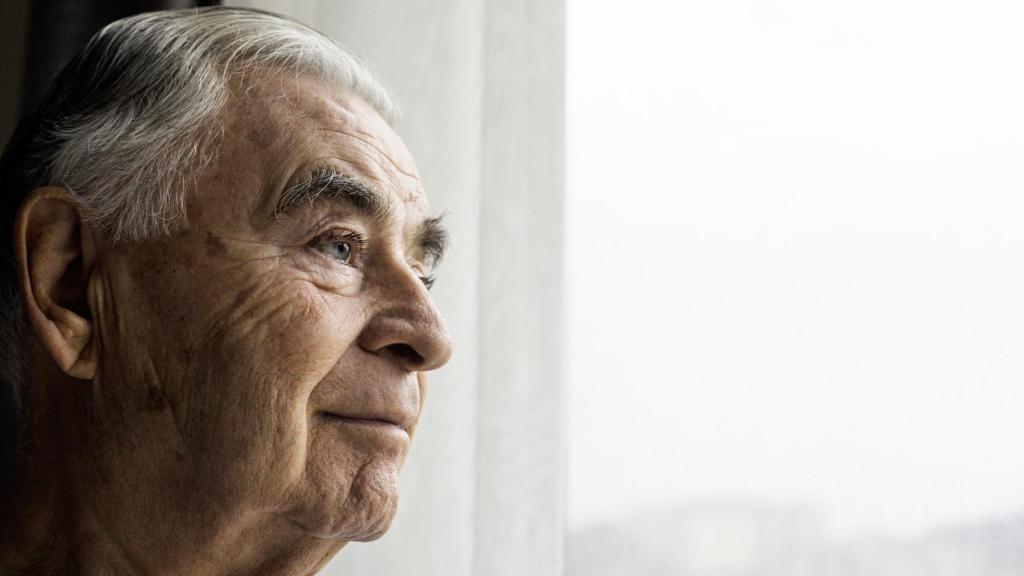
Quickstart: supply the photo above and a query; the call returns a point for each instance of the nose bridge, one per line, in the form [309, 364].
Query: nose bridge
[406, 325]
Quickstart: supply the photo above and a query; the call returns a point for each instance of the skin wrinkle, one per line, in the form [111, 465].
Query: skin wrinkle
[241, 315]
[337, 116]
[387, 172]
[343, 121]
[180, 454]
[356, 164]
[150, 375]
[221, 349]
[367, 138]
[249, 326]
[429, 241]
[386, 164]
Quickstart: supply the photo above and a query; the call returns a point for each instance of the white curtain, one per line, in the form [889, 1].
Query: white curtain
[481, 84]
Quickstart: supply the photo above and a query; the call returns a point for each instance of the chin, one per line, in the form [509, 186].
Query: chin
[360, 513]
[371, 505]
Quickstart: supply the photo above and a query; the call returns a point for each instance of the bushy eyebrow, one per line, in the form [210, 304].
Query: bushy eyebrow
[325, 183]
[433, 240]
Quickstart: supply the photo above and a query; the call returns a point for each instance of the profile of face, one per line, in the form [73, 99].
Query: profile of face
[264, 366]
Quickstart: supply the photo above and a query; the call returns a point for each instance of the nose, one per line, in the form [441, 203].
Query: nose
[407, 329]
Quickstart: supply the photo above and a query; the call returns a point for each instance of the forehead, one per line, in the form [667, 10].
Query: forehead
[280, 125]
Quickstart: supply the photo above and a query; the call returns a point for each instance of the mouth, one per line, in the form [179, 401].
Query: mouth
[383, 408]
[372, 422]
[382, 428]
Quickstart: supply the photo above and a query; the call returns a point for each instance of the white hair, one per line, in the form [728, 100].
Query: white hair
[128, 125]
[129, 162]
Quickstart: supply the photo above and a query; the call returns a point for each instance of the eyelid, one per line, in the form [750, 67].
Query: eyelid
[340, 233]
[337, 234]
[424, 272]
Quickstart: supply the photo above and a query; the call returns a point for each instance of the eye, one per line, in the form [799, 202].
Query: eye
[342, 245]
[339, 250]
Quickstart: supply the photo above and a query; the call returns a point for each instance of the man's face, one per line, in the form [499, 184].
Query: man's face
[265, 362]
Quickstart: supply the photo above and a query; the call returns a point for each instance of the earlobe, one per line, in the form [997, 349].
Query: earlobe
[54, 255]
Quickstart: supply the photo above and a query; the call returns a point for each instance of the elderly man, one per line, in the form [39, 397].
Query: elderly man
[216, 315]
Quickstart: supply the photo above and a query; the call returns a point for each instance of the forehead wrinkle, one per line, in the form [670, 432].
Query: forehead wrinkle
[350, 117]
[387, 168]
[369, 139]
[321, 117]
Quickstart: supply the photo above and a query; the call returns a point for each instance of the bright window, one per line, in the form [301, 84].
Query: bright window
[796, 269]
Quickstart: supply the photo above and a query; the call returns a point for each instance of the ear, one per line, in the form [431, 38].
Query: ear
[54, 254]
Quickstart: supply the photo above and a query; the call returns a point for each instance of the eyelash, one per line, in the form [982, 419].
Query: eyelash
[355, 240]
[358, 244]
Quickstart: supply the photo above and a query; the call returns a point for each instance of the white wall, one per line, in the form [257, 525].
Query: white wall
[481, 86]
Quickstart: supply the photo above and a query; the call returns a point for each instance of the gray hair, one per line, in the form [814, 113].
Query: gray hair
[128, 125]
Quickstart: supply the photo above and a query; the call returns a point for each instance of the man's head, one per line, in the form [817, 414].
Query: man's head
[218, 280]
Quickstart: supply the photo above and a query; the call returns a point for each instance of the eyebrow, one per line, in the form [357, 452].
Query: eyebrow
[327, 183]
[323, 183]
[433, 240]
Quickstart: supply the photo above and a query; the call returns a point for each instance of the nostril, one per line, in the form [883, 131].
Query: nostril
[406, 353]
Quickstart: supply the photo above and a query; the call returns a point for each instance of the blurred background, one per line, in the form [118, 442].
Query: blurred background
[735, 285]
[795, 288]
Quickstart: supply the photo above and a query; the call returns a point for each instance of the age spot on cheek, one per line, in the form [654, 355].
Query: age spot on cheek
[215, 245]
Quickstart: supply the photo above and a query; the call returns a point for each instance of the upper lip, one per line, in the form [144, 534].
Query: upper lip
[385, 398]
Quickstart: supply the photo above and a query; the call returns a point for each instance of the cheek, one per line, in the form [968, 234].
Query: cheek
[236, 349]
[280, 337]
[286, 327]
[286, 338]
[265, 348]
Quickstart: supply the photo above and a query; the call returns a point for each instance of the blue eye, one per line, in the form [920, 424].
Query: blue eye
[339, 250]
[342, 245]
